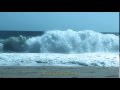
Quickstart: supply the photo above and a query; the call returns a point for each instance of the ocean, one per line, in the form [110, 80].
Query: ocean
[59, 48]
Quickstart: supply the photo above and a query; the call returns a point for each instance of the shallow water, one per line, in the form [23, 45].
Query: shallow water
[53, 59]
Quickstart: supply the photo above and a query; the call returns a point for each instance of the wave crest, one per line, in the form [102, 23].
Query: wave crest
[16, 44]
[70, 41]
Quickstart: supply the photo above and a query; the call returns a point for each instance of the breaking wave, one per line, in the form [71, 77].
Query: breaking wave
[14, 44]
[68, 41]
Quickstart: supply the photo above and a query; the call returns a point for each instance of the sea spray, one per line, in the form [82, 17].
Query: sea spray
[70, 41]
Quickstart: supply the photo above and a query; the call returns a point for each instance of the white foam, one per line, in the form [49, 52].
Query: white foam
[70, 41]
[52, 59]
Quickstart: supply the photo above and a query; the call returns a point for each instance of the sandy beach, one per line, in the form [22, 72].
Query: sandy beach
[58, 72]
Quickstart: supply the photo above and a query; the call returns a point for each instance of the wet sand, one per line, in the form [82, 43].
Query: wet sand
[58, 72]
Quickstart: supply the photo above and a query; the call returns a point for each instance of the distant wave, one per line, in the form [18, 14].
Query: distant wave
[68, 41]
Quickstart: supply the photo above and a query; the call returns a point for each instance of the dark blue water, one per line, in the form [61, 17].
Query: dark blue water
[7, 34]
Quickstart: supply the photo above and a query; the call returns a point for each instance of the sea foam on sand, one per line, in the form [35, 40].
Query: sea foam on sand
[55, 59]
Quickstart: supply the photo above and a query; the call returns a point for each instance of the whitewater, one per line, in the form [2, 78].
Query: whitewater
[61, 48]
[53, 59]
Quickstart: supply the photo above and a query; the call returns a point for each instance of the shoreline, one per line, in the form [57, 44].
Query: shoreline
[58, 72]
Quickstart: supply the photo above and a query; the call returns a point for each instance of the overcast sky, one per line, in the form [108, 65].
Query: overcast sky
[97, 21]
